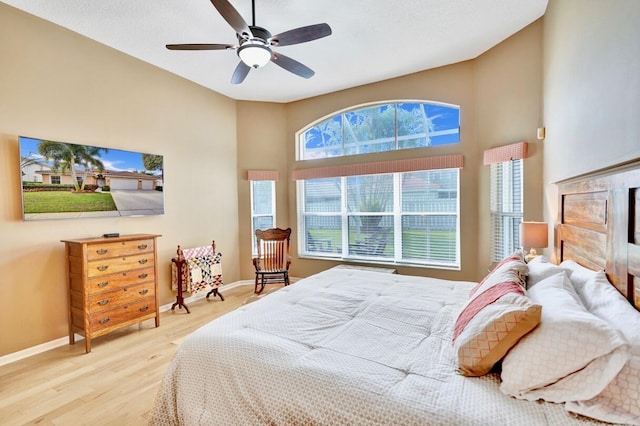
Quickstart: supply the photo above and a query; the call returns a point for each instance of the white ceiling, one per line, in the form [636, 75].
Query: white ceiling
[372, 40]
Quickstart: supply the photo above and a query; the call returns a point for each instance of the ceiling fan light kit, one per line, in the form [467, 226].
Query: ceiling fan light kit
[254, 54]
[255, 43]
[255, 51]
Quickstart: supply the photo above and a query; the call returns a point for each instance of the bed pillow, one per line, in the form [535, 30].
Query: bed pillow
[619, 402]
[572, 355]
[495, 317]
[539, 268]
[578, 274]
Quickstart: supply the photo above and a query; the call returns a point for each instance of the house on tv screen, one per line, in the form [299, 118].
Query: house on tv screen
[115, 180]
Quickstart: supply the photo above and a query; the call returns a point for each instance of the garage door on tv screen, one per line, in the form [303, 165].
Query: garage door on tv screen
[62, 180]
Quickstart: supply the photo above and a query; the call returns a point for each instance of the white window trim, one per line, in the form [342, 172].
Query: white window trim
[254, 250]
[396, 213]
[505, 198]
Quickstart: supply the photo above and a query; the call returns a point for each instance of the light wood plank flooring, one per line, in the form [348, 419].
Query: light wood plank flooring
[115, 384]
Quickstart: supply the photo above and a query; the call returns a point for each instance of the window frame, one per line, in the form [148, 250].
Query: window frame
[254, 215]
[505, 239]
[301, 149]
[396, 213]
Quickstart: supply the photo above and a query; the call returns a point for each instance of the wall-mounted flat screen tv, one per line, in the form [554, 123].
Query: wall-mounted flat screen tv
[62, 180]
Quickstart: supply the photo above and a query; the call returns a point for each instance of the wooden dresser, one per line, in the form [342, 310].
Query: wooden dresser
[113, 283]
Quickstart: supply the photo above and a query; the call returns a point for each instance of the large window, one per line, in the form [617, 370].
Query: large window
[263, 207]
[403, 218]
[380, 128]
[506, 207]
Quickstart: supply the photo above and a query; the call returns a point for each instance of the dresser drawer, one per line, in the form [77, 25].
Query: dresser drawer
[118, 264]
[113, 281]
[122, 313]
[110, 299]
[118, 249]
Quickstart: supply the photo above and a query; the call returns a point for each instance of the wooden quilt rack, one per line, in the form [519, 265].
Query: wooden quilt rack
[182, 264]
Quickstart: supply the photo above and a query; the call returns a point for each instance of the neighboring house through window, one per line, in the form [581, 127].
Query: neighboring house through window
[400, 212]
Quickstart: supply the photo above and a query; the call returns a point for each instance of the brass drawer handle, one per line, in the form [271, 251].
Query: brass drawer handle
[142, 246]
[145, 275]
[103, 283]
[104, 320]
[143, 292]
[102, 251]
[142, 261]
[144, 308]
[103, 267]
[103, 302]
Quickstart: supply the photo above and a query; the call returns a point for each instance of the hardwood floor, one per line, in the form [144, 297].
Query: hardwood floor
[114, 384]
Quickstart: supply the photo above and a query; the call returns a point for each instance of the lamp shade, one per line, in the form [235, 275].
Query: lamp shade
[254, 54]
[534, 234]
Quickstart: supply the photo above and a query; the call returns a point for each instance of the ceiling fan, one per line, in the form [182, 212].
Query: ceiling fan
[255, 43]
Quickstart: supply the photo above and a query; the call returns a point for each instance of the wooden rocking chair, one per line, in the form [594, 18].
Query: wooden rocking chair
[273, 260]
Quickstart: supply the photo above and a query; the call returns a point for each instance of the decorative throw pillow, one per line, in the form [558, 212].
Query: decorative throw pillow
[619, 402]
[511, 268]
[572, 355]
[494, 318]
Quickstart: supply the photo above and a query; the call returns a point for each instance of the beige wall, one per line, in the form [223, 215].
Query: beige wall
[591, 89]
[262, 145]
[500, 98]
[453, 84]
[509, 109]
[55, 84]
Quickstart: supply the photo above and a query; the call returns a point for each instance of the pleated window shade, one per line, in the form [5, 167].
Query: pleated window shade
[380, 167]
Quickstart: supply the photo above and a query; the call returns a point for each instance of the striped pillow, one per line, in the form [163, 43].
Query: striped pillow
[496, 316]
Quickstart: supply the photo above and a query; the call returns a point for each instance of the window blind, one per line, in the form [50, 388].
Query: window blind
[263, 207]
[408, 217]
[506, 207]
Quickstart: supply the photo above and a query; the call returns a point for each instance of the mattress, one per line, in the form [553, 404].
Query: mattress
[342, 347]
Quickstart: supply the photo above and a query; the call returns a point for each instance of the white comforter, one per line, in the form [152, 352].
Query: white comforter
[343, 347]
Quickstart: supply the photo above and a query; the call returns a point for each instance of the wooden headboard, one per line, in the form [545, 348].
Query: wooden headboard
[599, 225]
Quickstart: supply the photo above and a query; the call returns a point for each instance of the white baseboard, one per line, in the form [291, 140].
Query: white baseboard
[43, 347]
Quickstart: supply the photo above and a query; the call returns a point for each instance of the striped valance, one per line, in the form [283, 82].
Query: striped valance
[262, 175]
[392, 166]
[515, 151]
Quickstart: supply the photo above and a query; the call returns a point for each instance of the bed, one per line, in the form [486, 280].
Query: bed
[361, 347]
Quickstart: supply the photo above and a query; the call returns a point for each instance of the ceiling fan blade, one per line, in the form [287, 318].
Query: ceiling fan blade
[301, 35]
[199, 46]
[240, 73]
[231, 15]
[292, 65]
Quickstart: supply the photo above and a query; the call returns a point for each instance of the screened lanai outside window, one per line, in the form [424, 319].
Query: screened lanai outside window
[381, 128]
[403, 218]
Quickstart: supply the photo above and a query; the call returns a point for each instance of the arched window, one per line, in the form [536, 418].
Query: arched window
[391, 212]
[381, 127]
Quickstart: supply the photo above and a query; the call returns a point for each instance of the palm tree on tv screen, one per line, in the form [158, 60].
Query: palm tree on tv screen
[66, 156]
